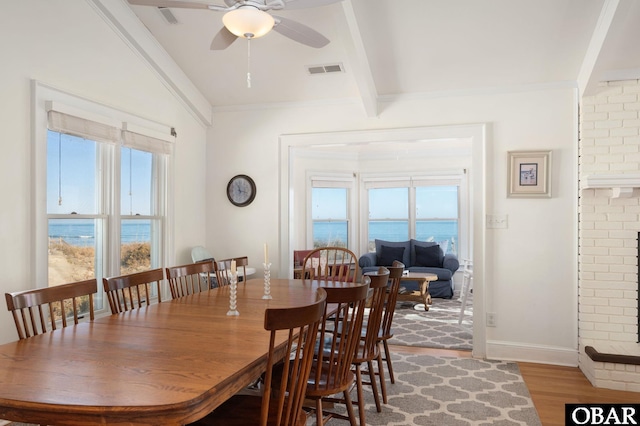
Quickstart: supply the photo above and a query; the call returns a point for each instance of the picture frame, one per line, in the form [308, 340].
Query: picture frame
[529, 174]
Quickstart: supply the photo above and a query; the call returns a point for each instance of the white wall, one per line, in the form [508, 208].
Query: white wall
[530, 281]
[68, 46]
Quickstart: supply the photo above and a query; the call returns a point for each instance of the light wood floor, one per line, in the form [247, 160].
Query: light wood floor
[550, 386]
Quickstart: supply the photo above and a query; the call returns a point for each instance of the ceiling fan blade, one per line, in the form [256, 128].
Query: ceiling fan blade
[303, 4]
[299, 32]
[170, 3]
[223, 39]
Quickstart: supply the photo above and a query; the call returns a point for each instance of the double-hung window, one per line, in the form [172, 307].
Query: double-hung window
[330, 211]
[106, 197]
[426, 208]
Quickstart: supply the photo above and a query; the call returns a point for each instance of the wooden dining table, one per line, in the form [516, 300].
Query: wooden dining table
[168, 363]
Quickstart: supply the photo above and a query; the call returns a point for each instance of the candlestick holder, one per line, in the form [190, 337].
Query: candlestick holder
[267, 281]
[233, 295]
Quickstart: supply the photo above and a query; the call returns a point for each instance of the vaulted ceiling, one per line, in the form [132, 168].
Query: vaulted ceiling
[406, 48]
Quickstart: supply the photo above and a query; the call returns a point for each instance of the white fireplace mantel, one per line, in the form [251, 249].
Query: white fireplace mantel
[621, 184]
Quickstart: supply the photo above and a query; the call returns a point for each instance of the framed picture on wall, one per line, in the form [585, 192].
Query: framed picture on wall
[529, 174]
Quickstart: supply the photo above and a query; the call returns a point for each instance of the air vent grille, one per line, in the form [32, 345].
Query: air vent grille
[168, 15]
[324, 69]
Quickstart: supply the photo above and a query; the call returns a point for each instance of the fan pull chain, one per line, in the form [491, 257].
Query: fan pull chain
[59, 169]
[131, 181]
[249, 62]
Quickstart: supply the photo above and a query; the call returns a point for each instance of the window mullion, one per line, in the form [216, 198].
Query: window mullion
[412, 212]
[112, 207]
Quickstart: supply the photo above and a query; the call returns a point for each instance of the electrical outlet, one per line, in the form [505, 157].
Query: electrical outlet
[491, 319]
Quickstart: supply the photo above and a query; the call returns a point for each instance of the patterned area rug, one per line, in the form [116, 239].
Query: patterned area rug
[436, 328]
[447, 391]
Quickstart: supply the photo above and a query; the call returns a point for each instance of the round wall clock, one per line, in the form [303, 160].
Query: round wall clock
[241, 190]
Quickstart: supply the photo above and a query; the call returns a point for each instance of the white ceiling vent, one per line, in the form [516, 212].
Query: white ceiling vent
[168, 15]
[324, 69]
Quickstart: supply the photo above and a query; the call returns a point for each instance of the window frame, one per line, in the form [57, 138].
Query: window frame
[332, 180]
[457, 178]
[45, 98]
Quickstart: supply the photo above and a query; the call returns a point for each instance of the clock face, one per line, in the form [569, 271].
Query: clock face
[241, 190]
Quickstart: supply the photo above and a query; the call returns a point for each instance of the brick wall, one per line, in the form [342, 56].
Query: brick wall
[608, 232]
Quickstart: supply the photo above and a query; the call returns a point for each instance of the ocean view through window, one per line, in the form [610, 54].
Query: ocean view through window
[100, 190]
[425, 213]
[329, 216]
[81, 232]
[86, 228]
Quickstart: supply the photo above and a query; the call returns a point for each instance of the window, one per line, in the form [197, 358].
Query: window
[329, 215]
[330, 206]
[75, 227]
[139, 221]
[437, 215]
[426, 209]
[388, 215]
[105, 198]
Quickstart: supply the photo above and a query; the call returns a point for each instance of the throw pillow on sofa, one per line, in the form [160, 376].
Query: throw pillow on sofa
[388, 254]
[431, 256]
[406, 257]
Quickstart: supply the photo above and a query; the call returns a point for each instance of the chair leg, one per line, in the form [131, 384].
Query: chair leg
[360, 395]
[387, 355]
[383, 385]
[348, 403]
[374, 386]
[319, 414]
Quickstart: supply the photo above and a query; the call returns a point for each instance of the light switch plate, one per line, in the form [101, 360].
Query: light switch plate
[497, 221]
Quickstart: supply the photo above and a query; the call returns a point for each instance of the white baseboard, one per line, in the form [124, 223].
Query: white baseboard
[512, 351]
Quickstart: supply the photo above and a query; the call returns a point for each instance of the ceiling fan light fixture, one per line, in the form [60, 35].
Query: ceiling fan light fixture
[248, 22]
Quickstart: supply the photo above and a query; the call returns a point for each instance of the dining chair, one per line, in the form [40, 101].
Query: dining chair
[43, 309]
[281, 406]
[340, 331]
[395, 273]
[331, 263]
[369, 348]
[133, 291]
[223, 270]
[190, 278]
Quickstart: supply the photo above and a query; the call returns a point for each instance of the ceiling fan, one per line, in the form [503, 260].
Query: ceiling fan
[249, 19]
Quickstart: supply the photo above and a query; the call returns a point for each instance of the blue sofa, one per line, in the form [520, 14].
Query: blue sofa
[417, 256]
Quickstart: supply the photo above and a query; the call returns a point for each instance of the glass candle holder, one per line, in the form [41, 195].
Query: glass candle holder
[267, 281]
[233, 295]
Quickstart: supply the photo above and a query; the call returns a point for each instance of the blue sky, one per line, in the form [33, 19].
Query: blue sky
[77, 182]
[389, 203]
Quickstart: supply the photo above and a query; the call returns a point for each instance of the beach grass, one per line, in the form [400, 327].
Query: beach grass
[69, 263]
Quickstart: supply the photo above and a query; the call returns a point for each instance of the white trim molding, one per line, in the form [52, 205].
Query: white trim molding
[622, 185]
[541, 354]
[119, 16]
